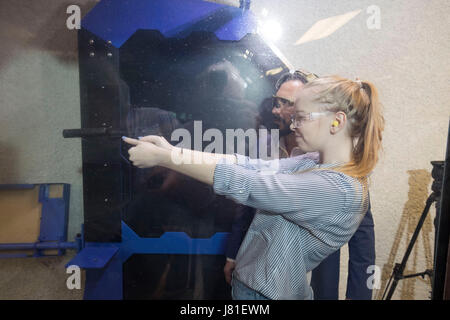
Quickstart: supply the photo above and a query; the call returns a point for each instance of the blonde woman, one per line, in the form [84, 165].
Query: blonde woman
[306, 209]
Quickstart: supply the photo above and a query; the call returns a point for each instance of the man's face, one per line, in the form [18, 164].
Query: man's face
[284, 108]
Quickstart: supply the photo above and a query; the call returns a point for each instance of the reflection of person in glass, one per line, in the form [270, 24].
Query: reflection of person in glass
[217, 99]
[307, 209]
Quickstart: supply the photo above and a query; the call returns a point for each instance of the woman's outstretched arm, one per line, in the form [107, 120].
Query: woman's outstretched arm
[309, 198]
[156, 151]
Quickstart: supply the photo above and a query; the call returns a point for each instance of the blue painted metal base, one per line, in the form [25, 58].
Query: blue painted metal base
[104, 261]
[93, 257]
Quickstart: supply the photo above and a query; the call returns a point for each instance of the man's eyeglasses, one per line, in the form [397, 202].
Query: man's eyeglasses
[278, 102]
[297, 121]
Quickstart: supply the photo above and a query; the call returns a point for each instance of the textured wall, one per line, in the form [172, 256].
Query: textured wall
[39, 97]
[407, 59]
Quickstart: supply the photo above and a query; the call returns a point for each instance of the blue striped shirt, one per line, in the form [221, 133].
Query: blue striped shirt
[302, 218]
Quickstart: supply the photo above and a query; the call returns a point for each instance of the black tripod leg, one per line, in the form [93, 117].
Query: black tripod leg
[398, 271]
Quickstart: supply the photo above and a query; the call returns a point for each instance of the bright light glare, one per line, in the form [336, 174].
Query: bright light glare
[270, 30]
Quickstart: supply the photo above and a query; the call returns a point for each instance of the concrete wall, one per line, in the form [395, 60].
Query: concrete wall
[407, 59]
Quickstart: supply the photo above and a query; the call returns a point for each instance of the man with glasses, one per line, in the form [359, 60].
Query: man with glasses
[325, 277]
[283, 108]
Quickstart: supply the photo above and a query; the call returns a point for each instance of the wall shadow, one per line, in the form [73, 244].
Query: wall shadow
[39, 25]
[419, 181]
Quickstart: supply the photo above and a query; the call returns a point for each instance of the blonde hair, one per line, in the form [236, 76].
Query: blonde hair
[359, 101]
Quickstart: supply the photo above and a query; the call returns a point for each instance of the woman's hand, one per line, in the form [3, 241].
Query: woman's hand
[149, 151]
[152, 151]
[158, 141]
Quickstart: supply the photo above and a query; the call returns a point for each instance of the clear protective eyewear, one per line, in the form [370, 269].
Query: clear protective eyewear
[297, 121]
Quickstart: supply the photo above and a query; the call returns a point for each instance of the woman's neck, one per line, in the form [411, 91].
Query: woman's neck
[337, 153]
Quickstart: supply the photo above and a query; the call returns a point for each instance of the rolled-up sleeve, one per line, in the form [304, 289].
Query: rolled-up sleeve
[276, 165]
[257, 164]
[302, 198]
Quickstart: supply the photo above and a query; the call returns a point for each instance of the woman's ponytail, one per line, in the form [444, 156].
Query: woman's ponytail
[359, 100]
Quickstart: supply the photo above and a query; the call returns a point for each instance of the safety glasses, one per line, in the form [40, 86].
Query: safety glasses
[298, 120]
